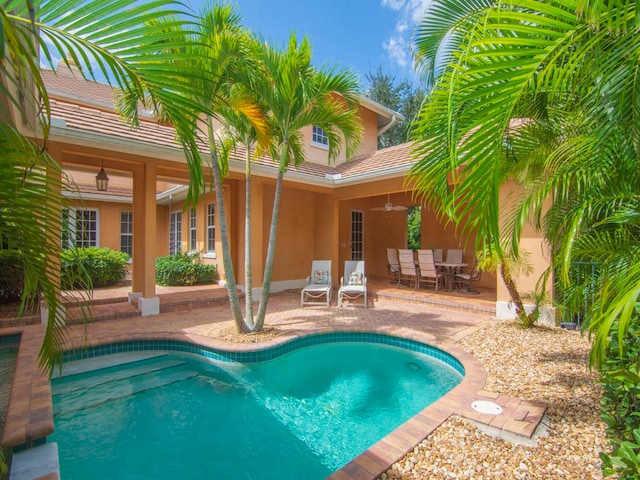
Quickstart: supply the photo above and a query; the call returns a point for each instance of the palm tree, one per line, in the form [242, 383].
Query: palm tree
[99, 38]
[293, 94]
[240, 131]
[300, 96]
[566, 66]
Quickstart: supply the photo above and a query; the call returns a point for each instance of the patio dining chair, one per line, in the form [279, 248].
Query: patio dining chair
[407, 267]
[465, 278]
[393, 265]
[353, 285]
[427, 271]
[319, 286]
[454, 255]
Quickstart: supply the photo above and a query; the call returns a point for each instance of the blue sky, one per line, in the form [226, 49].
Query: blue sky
[361, 35]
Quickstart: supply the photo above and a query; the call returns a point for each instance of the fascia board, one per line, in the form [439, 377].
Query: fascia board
[380, 109]
[385, 174]
[121, 145]
[144, 149]
[98, 197]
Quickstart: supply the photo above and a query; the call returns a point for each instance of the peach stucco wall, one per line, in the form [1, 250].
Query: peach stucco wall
[368, 141]
[296, 239]
[109, 221]
[437, 232]
[207, 258]
[532, 244]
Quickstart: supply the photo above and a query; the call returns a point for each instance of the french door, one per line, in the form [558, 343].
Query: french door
[357, 234]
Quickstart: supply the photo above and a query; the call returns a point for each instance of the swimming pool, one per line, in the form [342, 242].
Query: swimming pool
[286, 412]
[8, 354]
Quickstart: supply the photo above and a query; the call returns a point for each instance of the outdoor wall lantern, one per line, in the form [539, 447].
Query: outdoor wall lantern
[102, 180]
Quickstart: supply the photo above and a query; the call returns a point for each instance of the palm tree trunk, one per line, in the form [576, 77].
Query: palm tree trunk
[248, 276]
[234, 300]
[512, 288]
[271, 253]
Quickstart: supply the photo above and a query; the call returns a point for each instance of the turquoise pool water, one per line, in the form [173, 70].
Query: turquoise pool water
[303, 414]
[8, 354]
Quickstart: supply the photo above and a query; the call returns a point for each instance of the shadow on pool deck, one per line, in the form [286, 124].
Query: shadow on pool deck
[30, 417]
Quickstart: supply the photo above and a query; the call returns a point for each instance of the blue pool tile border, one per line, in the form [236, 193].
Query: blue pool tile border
[9, 340]
[262, 355]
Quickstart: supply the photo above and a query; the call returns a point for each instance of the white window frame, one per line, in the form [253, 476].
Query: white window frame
[319, 137]
[193, 229]
[357, 235]
[211, 231]
[72, 225]
[128, 232]
[175, 233]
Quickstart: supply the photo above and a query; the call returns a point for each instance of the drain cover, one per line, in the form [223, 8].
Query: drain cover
[484, 406]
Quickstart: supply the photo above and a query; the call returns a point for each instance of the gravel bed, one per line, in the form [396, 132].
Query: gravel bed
[542, 364]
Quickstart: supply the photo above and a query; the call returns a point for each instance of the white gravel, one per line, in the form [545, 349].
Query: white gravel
[544, 364]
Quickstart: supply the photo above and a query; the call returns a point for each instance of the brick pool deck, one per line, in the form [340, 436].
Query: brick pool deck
[30, 414]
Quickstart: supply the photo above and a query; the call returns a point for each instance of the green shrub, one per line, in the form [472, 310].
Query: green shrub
[620, 378]
[12, 278]
[177, 270]
[92, 267]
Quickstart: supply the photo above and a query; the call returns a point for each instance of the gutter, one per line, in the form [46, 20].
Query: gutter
[393, 121]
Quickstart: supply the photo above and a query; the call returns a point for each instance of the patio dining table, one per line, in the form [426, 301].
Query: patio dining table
[450, 270]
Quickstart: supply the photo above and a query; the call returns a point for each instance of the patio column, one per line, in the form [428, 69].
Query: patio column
[335, 242]
[143, 289]
[54, 177]
[257, 236]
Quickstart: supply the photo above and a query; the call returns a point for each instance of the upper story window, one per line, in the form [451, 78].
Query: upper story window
[319, 137]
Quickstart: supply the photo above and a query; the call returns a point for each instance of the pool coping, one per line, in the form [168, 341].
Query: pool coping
[30, 414]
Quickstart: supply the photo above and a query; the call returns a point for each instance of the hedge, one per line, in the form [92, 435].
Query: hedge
[179, 270]
[101, 266]
[12, 278]
[620, 379]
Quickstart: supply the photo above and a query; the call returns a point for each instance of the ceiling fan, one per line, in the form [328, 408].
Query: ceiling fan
[388, 207]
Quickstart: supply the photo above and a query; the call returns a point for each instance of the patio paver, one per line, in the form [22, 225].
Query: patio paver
[30, 418]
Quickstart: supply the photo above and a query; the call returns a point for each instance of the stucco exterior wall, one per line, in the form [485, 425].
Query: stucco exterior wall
[532, 244]
[296, 240]
[438, 233]
[109, 221]
[368, 142]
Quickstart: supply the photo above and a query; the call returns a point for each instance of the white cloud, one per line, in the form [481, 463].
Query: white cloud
[393, 4]
[396, 48]
[409, 13]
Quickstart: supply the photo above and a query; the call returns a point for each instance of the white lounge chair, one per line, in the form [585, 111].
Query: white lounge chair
[353, 285]
[319, 284]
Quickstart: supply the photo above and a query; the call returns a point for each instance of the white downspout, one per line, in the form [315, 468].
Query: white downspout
[393, 121]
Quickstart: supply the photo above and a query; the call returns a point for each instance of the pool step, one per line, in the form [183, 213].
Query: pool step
[70, 384]
[117, 389]
[104, 362]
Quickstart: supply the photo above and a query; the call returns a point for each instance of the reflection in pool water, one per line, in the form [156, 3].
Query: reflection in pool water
[301, 415]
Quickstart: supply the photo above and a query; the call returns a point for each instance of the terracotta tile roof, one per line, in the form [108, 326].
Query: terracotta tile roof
[387, 158]
[88, 119]
[96, 115]
[64, 83]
